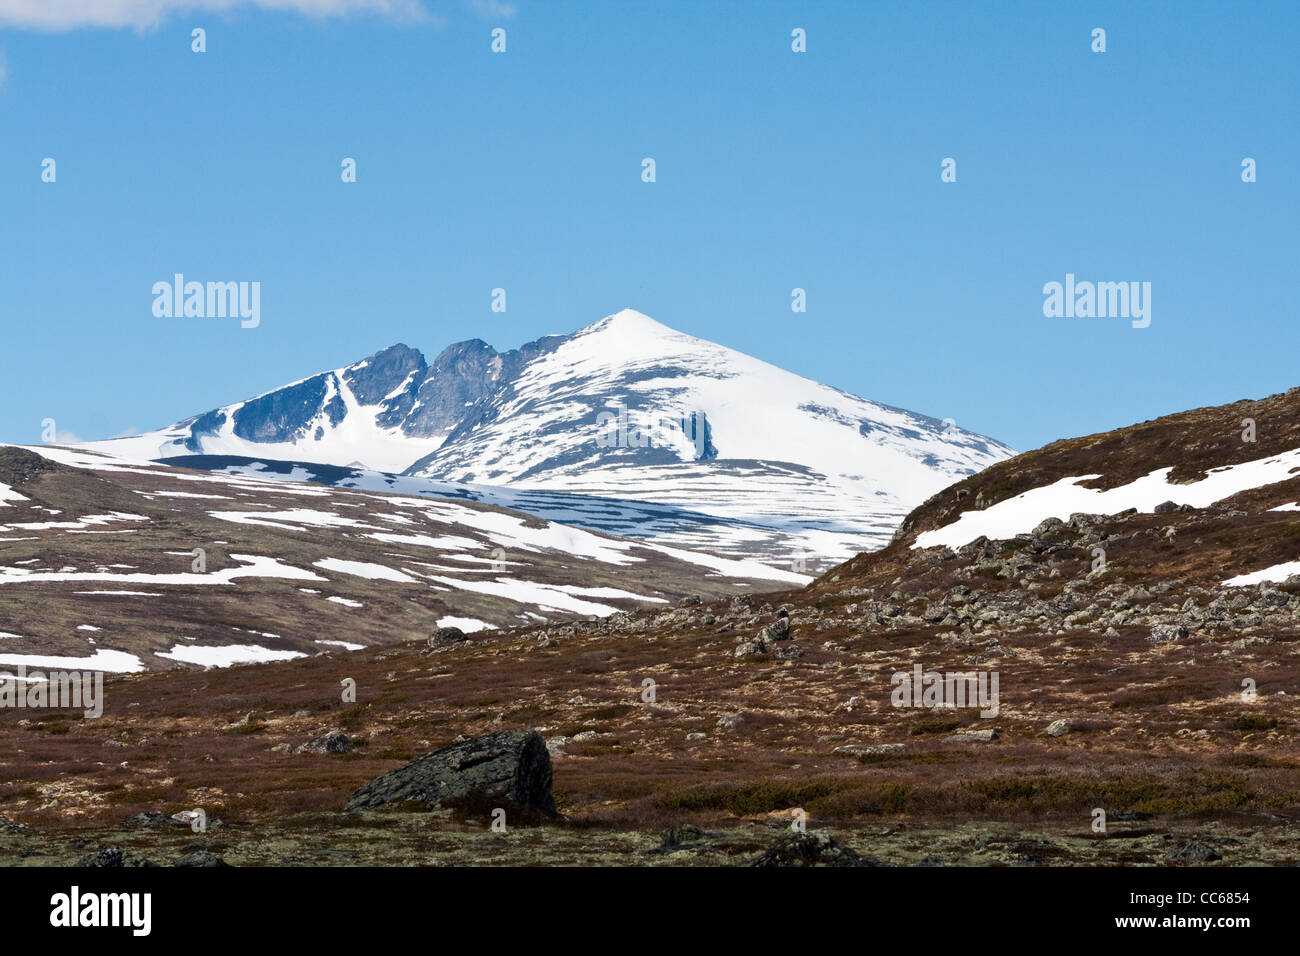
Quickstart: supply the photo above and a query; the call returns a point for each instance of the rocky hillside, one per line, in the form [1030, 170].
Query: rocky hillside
[1177, 523]
[119, 566]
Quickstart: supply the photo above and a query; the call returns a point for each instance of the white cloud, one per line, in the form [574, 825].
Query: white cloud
[58, 15]
[62, 437]
[494, 9]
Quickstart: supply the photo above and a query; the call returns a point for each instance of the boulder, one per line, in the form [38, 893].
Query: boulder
[111, 858]
[972, 736]
[511, 767]
[447, 636]
[335, 742]
[859, 750]
[1059, 728]
[152, 818]
[1193, 851]
[1165, 633]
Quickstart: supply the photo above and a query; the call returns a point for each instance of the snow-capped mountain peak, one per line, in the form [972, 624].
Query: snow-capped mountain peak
[627, 408]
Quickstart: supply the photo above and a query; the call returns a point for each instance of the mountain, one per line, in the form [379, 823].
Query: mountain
[122, 566]
[767, 463]
[1140, 711]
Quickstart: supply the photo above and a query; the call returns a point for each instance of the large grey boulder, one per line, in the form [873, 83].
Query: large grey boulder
[512, 767]
[1167, 633]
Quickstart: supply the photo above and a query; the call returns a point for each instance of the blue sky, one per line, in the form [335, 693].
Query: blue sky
[775, 170]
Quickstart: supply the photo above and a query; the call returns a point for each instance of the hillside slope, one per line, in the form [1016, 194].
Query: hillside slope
[101, 566]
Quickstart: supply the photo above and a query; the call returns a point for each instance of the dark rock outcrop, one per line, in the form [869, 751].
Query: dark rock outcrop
[511, 767]
[1193, 851]
[447, 637]
[152, 818]
[334, 742]
[199, 858]
[111, 858]
[818, 848]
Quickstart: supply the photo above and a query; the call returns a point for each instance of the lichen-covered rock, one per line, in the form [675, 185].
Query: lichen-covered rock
[1059, 728]
[512, 767]
[111, 858]
[334, 742]
[1193, 851]
[152, 818]
[1165, 633]
[199, 858]
[817, 848]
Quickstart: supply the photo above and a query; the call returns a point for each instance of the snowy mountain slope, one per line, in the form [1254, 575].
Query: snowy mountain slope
[155, 565]
[626, 410]
[547, 424]
[664, 523]
[382, 412]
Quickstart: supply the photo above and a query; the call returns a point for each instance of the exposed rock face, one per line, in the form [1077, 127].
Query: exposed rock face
[512, 767]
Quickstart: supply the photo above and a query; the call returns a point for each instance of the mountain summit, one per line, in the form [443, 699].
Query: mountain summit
[626, 408]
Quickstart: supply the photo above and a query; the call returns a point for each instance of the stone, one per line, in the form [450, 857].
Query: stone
[111, 858]
[1166, 633]
[151, 818]
[447, 637]
[817, 848]
[334, 742]
[779, 630]
[511, 767]
[859, 750]
[972, 736]
[1059, 728]
[1193, 851]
